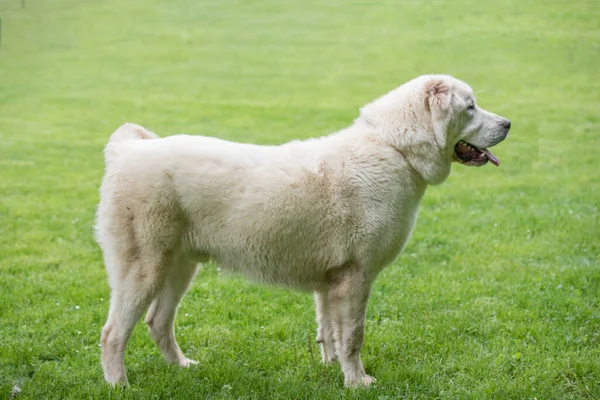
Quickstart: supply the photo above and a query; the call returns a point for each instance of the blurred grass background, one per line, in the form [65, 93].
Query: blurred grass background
[497, 294]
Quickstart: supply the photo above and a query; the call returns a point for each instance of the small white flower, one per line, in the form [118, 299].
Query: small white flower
[53, 216]
[570, 211]
[226, 386]
[57, 303]
[15, 391]
[187, 315]
[495, 225]
[77, 307]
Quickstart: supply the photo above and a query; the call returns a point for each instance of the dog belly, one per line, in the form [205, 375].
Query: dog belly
[305, 280]
[288, 262]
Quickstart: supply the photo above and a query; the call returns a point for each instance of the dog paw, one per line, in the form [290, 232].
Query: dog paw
[119, 383]
[116, 379]
[368, 380]
[328, 362]
[328, 359]
[186, 363]
[363, 381]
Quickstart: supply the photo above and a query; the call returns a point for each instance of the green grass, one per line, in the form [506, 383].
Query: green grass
[497, 294]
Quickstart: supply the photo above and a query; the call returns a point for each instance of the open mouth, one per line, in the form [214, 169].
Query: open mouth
[466, 153]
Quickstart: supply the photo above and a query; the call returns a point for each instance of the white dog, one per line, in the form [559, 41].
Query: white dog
[324, 215]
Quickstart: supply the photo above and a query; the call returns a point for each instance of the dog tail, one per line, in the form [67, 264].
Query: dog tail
[125, 133]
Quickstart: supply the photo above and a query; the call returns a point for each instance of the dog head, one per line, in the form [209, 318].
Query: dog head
[433, 121]
[458, 120]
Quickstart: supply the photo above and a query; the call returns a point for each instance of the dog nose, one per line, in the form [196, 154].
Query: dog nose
[506, 124]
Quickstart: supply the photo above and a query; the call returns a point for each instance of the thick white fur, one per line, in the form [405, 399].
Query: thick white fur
[324, 215]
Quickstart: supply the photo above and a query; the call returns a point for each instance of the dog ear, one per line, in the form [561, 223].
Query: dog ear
[437, 98]
[436, 95]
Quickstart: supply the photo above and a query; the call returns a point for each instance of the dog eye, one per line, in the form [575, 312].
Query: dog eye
[471, 107]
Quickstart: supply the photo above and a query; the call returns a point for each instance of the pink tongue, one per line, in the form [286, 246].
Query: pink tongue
[491, 157]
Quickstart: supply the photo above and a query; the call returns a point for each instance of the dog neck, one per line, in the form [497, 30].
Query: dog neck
[416, 144]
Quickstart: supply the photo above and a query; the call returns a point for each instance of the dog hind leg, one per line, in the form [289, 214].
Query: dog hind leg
[131, 295]
[161, 315]
[325, 328]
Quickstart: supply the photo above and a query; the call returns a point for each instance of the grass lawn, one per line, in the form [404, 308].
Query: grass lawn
[497, 294]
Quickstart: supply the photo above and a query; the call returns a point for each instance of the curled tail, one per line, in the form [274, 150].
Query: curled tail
[124, 133]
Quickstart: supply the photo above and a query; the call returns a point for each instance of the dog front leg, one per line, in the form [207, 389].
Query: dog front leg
[348, 296]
